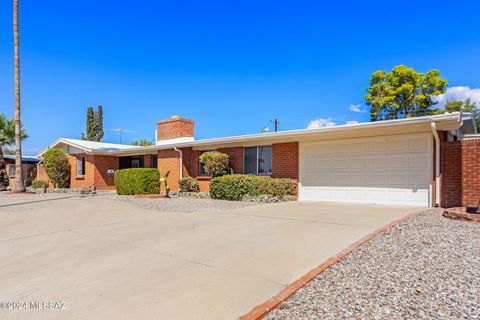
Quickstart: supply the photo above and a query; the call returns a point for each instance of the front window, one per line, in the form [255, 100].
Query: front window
[80, 166]
[258, 160]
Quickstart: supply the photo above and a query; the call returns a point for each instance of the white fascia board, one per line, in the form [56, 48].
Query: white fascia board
[455, 116]
[61, 140]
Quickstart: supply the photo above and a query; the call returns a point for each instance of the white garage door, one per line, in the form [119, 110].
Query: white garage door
[383, 170]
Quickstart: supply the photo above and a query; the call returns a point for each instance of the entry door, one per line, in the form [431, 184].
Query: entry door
[393, 170]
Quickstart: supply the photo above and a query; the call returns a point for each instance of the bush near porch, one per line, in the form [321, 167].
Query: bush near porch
[236, 186]
[137, 181]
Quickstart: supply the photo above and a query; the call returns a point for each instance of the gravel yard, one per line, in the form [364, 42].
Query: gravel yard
[182, 204]
[427, 267]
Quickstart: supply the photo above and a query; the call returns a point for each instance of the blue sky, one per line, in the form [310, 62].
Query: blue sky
[231, 67]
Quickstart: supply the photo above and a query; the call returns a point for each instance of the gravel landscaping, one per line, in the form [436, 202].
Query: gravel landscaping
[427, 267]
[181, 204]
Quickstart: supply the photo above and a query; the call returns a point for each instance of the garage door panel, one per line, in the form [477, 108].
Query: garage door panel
[389, 170]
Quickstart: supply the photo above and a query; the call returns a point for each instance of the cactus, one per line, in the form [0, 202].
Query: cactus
[164, 181]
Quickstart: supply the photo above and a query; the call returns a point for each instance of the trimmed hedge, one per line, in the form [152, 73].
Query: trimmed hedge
[277, 187]
[39, 184]
[137, 181]
[236, 186]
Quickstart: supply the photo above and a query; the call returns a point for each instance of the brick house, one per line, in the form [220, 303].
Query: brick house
[423, 161]
[29, 167]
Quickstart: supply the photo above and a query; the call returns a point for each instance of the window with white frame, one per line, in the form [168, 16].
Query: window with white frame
[80, 166]
[257, 160]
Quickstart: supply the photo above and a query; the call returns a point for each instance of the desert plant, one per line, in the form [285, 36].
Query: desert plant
[137, 181]
[164, 180]
[55, 162]
[189, 184]
[39, 184]
[215, 163]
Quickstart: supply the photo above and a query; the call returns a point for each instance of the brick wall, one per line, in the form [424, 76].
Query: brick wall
[236, 158]
[169, 160]
[102, 179]
[285, 160]
[96, 167]
[470, 173]
[460, 169]
[451, 174]
[175, 127]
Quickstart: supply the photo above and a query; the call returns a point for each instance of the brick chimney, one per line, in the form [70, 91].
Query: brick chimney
[174, 128]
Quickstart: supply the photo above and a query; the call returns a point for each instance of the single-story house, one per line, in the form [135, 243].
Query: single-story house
[422, 161]
[29, 167]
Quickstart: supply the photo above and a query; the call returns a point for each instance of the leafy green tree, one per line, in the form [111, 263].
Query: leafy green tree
[403, 92]
[141, 143]
[7, 138]
[464, 106]
[94, 125]
[57, 167]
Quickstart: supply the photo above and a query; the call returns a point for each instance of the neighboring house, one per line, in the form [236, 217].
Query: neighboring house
[420, 161]
[29, 166]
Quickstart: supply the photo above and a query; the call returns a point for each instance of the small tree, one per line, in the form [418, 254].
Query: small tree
[215, 163]
[141, 143]
[55, 162]
[464, 106]
[94, 125]
[403, 92]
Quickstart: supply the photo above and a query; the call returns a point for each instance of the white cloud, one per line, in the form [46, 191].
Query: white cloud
[320, 123]
[457, 93]
[357, 108]
[352, 122]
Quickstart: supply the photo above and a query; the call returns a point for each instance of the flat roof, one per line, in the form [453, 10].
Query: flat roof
[447, 121]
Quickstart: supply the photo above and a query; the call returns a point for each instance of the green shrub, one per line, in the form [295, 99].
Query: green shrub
[137, 181]
[215, 163]
[39, 184]
[235, 186]
[277, 187]
[57, 167]
[189, 184]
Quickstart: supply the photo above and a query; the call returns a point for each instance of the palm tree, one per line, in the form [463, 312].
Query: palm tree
[19, 185]
[7, 138]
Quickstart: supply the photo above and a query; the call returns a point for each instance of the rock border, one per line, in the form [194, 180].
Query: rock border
[260, 311]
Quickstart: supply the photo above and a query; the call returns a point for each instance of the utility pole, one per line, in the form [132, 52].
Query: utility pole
[275, 123]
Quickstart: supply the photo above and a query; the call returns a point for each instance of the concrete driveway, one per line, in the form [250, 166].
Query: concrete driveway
[108, 259]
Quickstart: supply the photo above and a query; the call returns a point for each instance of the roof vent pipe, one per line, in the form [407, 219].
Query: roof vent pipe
[437, 165]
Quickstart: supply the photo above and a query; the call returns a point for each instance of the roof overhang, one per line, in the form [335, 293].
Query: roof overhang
[444, 122]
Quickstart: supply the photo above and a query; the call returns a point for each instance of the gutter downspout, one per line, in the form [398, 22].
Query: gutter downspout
[437, 165]
[181, 160]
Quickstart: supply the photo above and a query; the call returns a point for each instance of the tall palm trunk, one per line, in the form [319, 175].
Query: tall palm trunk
[19, 185]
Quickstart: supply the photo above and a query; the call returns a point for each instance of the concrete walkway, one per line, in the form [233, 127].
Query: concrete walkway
[112, 260]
